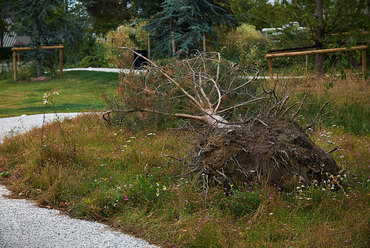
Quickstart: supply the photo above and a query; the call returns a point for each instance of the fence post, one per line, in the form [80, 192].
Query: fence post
[364, 67]
[148, 45]
[15, 65]
[61, 61]
[271, 73]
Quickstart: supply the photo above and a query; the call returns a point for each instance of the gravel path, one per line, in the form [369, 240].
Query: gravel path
[23, 224]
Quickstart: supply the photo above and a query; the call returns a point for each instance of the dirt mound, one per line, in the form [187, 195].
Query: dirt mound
[274, 150]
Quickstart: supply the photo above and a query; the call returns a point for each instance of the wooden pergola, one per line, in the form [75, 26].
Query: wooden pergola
[17, 49]
[270, 56]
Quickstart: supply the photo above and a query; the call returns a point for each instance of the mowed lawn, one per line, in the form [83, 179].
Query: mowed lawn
[79, 91]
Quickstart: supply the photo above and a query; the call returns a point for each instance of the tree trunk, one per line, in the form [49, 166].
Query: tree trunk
[319, 35]
[36, 35]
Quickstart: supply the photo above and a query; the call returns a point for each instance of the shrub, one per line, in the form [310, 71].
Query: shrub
[98, 57]
[125, 35]
[246, 45]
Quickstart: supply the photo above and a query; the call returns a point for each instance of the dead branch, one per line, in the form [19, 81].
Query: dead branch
[248, 82]
[242, 104]
[287, 109]
[168, 77]
[282, 104]
[333, 150]
[317, 118]
[300, 106]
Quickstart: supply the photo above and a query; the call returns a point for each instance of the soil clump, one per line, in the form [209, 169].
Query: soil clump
[275, 150]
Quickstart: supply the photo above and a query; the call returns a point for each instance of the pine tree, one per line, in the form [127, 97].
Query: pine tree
[182, 25]
[43, 20]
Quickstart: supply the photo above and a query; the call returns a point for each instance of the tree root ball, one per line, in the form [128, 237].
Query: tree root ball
[277, 151]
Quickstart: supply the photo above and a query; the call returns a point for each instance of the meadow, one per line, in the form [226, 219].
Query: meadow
[128, 179]
[79, 91]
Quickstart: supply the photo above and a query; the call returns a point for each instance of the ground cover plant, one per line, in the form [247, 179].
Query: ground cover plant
[78, 91]
[134, 180]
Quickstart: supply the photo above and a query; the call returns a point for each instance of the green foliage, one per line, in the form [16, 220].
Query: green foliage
[186, 23]
[98, 57]
[348, 102]
[107, 15]
[242, 200]
[246, 46]
[4, 173]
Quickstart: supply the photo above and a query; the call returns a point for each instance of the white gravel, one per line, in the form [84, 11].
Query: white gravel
[118, 70]
[23, 224]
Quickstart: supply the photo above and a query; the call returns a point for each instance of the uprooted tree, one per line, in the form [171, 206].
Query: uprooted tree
[251, 133]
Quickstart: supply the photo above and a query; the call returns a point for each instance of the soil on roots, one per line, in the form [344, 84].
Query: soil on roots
[277, 151]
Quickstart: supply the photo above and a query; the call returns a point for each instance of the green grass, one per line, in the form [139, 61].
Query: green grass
[79, 91]
[122, 178]
[348, 105]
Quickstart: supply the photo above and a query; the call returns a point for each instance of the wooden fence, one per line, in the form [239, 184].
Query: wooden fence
[270, 56]
[17, 49]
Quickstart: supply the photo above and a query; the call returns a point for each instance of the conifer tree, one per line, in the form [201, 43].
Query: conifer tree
[182, 25]
[43, 20]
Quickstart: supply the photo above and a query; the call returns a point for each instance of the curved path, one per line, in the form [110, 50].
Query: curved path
[23, 224]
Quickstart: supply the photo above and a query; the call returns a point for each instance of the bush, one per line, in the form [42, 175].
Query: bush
[133, 37]
[98, 57]
[246, 45]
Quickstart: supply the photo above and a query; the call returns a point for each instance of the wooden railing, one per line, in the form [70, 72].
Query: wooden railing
[270, 56]
[17, 49]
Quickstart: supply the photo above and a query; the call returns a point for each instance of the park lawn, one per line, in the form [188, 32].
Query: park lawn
[79, 91]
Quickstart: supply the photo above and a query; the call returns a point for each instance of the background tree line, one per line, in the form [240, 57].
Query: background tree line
[177, 27]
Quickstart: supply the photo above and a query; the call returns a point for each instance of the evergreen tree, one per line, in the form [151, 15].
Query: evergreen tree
[43, 20]
[182, 25]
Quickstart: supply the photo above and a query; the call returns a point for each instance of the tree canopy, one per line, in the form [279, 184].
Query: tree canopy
[182, 25]
[107, 15]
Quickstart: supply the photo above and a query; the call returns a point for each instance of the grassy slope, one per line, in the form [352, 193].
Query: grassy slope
[78, 91]
[121, 177]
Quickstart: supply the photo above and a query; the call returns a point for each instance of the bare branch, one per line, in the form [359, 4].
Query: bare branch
[241, 104]
[300, 107]
[333, 150]
[282, 104]
[317, 116]
[168, 77]
[287, 110]
[202, 91]
[248, 82]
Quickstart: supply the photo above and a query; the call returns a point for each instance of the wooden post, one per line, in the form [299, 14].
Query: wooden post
[173, 44]
[306, 63]
[148, 45]
[15, 65]
[271, 71]
[61, 61]
[364, 67]
[204, 43]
